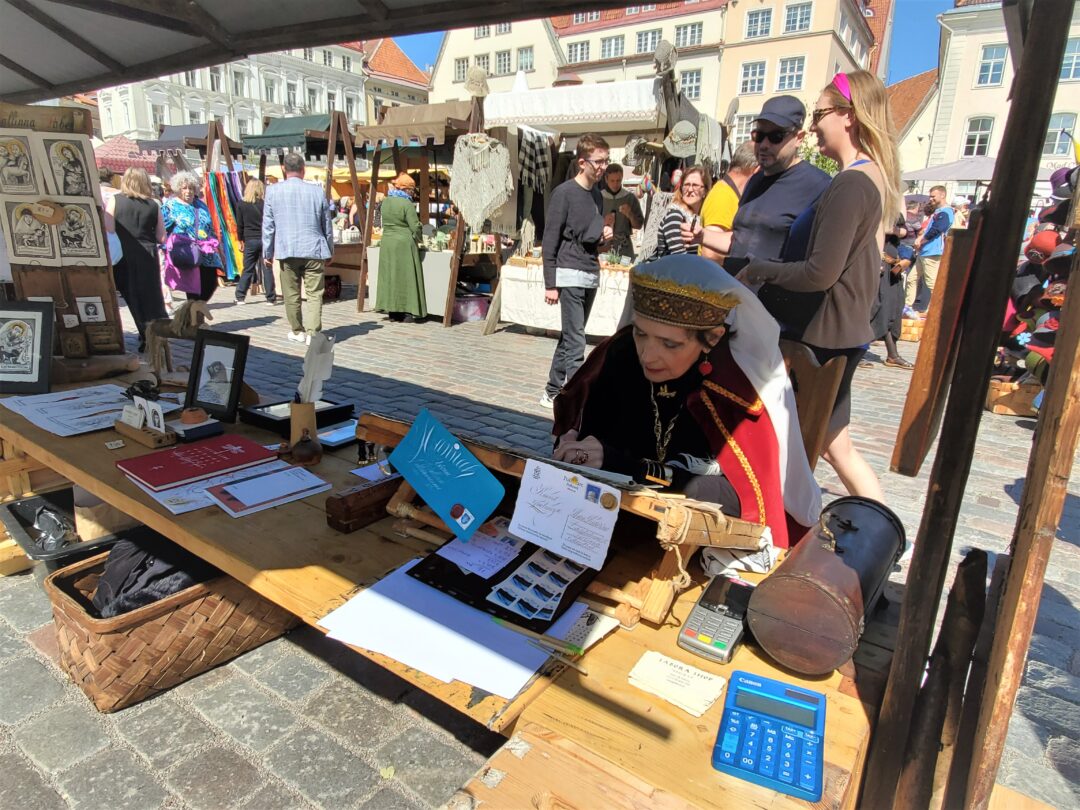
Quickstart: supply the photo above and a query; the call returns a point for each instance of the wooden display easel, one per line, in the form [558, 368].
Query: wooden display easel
[64, 284]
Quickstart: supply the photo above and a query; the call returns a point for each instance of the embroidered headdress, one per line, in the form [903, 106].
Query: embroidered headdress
[683, 290]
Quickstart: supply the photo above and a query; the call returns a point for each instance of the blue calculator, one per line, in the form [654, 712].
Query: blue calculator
[772, 734]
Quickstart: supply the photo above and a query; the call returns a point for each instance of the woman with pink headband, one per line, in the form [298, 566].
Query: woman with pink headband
[843, 261]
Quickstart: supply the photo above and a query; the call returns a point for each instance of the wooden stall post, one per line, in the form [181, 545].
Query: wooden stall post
[1002, 229]
[331, 153]
[350, 156]
[369, 224]
[425, 189]
[476, 124]
[1047, 480]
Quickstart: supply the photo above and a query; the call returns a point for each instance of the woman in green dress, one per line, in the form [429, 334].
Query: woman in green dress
[400, 292]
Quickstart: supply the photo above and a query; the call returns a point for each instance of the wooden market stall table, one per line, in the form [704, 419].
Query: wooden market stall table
[522, 282]
[345, 263]
[292, 558]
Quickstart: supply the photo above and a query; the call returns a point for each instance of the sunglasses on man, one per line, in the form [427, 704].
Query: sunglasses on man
[774, 137]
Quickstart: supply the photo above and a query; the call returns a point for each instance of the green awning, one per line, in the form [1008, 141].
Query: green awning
[287, 133]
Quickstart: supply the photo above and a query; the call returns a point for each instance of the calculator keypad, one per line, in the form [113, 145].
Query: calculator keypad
[771, 749]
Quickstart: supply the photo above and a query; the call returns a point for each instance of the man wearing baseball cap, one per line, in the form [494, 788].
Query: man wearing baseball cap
[783, 188]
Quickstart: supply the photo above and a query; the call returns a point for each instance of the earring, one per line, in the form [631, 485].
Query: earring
[705, 366]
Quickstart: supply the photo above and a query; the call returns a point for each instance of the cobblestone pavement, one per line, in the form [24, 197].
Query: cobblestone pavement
[302, 722]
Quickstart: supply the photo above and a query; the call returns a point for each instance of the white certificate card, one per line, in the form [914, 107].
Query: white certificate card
[566, 513]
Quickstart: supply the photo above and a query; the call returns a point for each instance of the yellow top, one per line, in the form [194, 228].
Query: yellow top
[720, 206]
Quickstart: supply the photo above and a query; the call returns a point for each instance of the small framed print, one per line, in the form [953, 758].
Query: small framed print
[79, 238]
[26, 339]
[67, 162]
[28, 239]
[91, 310]
[217, 373]
[20, 170]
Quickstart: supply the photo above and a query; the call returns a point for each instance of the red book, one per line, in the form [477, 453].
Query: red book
[193, 462]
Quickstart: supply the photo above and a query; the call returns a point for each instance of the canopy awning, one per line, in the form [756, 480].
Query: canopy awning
[286, 133]
[417, 124]
[613, 106]
[972, 168]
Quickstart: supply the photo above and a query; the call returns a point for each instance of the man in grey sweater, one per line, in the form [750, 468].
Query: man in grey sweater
[573, 232]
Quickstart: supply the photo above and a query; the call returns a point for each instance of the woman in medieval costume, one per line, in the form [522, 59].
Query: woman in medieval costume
[693, 397]
[400, 293]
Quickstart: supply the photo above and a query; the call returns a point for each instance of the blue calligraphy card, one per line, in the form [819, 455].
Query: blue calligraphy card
[449, 478]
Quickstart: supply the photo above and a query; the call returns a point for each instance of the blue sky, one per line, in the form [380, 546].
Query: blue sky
[914, 42]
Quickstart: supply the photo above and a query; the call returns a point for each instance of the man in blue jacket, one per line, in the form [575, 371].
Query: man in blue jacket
[929, 247]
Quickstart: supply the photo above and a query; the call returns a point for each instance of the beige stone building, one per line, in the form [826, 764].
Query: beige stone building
[964, 112]
[502, 50]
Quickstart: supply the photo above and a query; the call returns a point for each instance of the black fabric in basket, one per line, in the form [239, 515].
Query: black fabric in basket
[143, 570]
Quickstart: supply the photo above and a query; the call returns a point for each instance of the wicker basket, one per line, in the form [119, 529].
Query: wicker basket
[911, 329]
[120, 661]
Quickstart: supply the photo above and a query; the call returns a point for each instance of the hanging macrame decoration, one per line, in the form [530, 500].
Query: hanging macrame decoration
[480, 180]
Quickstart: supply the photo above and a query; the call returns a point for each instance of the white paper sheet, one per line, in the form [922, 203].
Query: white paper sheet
[189, 497]
[81, 410]
[273, 485]
[565, 513]
[428, 630]
[487, 551]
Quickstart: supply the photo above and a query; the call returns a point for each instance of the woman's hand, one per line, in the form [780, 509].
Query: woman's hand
[587, 452]
[753, 272]
[692, 232]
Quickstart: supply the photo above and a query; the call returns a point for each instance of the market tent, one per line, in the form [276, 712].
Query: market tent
[52, 49]
[121, 154]
[284, 134]
[614, 106]
[416, 124]
[973, 168]
[172, 138]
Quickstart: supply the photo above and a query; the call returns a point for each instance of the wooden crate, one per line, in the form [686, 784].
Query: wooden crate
[911, 329]
[12, 558]
[1013, 399]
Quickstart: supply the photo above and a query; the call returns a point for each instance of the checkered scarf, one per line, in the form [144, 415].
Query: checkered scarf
[534, 156]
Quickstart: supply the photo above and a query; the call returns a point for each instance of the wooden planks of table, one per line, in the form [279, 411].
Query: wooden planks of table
[290, 556]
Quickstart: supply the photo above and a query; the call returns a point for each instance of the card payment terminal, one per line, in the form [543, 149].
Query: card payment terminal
[772, 734]
[715, 624]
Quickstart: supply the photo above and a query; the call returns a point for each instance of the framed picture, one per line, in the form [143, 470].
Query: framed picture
[20, 170]
[217, 372]
[26, 337]
[28, 239]
[67, 162]
[79, 232]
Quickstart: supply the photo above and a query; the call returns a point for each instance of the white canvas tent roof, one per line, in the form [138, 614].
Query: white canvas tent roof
[635, 105]
[52, 48]
[973, 168]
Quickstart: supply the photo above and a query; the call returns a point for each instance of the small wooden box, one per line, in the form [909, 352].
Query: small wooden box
[1013, 399]
[360, 506]
[911, 329]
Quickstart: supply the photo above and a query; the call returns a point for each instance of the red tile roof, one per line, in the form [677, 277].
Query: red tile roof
[384, 58]
[882, 9]
[613, 16]
[906, 97]
[960, 3]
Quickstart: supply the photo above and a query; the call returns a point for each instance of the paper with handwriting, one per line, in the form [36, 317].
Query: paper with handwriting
[566, 513]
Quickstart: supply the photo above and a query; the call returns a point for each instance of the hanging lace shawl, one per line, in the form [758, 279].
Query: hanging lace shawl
[661, 201]
[480, 180]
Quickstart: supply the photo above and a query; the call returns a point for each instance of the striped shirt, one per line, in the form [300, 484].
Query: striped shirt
[669, 240]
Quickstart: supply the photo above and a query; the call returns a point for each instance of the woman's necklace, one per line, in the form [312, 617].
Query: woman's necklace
[663, 435]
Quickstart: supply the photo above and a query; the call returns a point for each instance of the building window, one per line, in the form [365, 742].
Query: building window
[648, 40]
[797, 18]
[612, 47]
[312, 100]
[1059, 135]
[502, 28]
[350, 108]
[690, 83]
[577, 52]
[346, 64]
[687, 35]
[331, 101]
[649, 7]
[159, 116]
[977, 139]
[481, 31]
[1070, 65]
[194, 117]
[484, 63]
[758, 23]
[753, 78]
[991, 65]
[189, 78]
[502, 63]
[525, 59]
[243, 127]
[791, 73]
[632, 9]
[588, 16]
[269, 90]
[239, 84]
[328, 58]
[215, 79]
[290, 94]
[743, 125]
[309, 54]
[461, 68]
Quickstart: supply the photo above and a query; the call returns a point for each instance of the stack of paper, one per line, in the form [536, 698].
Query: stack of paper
[687, 687]
[266, 490]
[432, 632]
